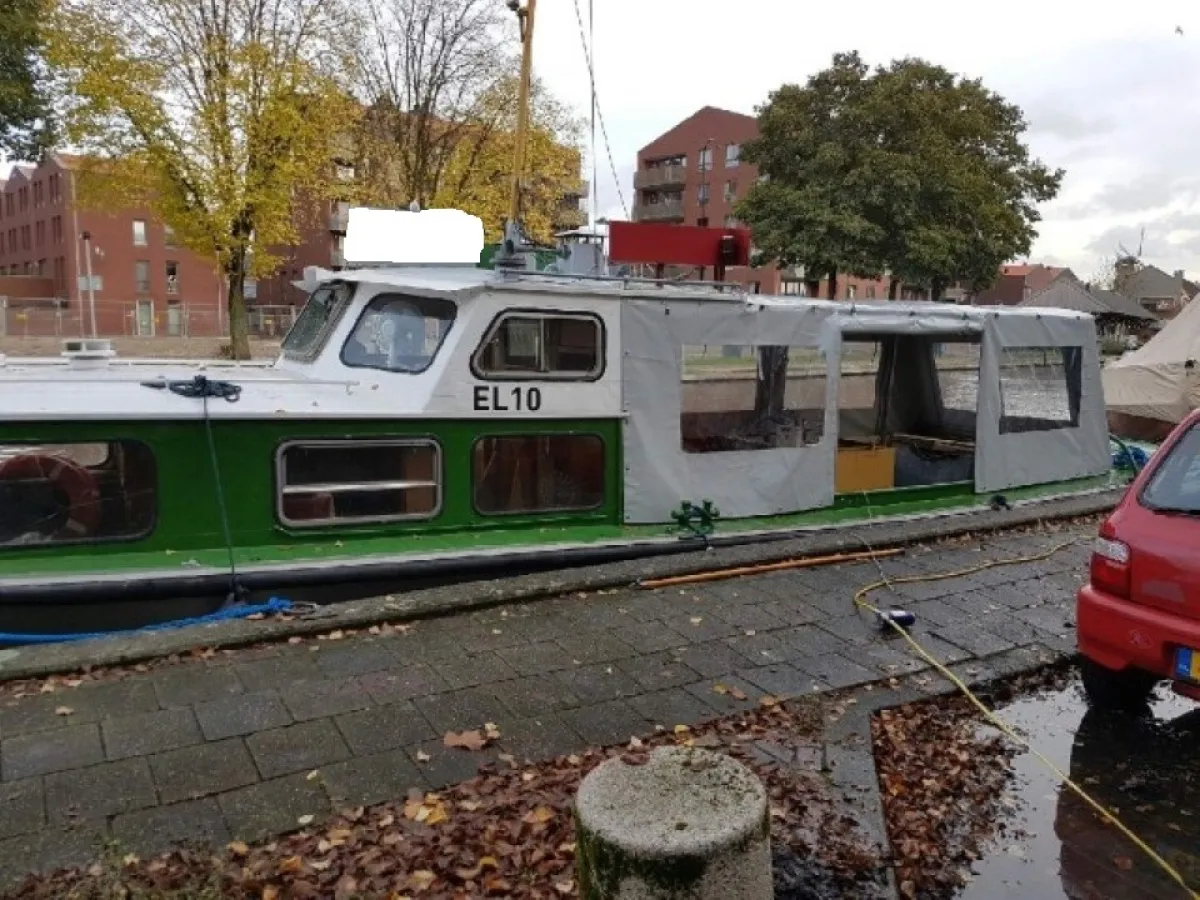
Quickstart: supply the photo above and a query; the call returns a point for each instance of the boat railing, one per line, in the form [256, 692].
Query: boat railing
[731, 287]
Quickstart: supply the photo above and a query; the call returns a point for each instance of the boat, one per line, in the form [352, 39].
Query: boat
[1156, 386]
[428, 420]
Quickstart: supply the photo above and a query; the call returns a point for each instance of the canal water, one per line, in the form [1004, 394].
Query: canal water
[1145, 770]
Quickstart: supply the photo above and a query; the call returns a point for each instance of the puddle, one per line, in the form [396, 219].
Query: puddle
[1146, 772]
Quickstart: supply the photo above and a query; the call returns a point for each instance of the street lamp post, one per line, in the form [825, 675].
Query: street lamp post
[91, 285]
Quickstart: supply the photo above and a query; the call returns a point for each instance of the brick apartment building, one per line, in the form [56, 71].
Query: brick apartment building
[143, 283]
[693, 175]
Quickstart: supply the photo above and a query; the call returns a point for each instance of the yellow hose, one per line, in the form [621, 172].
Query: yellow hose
[1004, 727]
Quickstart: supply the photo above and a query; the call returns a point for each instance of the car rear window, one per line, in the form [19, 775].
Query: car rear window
[1175, 484]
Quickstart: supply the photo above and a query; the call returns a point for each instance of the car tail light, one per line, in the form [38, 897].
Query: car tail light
[1110, 566]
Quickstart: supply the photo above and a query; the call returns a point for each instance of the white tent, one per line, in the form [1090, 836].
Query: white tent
[1160, 380]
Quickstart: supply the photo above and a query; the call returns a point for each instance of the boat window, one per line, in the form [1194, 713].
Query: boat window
[399, 333]
[348, 481]
[76, 493]
[538, 473]
[308, 334]
[737, 397]
[1039, 388]
[526, 344]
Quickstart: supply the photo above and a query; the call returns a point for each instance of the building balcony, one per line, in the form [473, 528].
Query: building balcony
[659, 176]
[663, 211]
[579, 190]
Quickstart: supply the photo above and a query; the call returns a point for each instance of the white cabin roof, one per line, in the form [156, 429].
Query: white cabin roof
[326, 387]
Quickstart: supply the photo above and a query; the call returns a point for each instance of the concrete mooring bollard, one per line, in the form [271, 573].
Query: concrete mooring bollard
[689, 823]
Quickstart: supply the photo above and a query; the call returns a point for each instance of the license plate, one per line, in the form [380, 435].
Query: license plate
[1187, 664]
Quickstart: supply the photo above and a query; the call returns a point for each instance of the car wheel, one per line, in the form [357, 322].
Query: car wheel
[1124, 689]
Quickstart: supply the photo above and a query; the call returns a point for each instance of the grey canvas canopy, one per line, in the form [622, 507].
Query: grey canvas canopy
[767, 433]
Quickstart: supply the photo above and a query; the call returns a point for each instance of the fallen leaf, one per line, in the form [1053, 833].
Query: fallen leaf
[696, 620]
[305, 819]
[295, 639]
[336, 635]
[768, 701]
[1124, 863]
[682, 729]
[270, 892]
[291, 864]
[564, 887]
[130, 859]
[538, 815]
[465, 740]
[719, 688]
[491, 732]
[238, 848]
[421, 879]
[422, 756]
[63, 711]
[737, 694]
[635, 743]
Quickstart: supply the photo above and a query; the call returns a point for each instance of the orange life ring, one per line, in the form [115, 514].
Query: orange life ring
[68, 476]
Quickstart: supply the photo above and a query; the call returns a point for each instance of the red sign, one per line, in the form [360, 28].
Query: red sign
[677, 245]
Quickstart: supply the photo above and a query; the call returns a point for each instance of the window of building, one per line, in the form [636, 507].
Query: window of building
[705, 159]
[139, 233]
[39, 232]
[8, 204]
[56, 232]
[24, 198]
[733, 155]
[730, 191]
[60, 274]
[870, 292]
[24, 237]
[37, 194]
[399, 333]
[172, 277]
[737, 398]
[76, 493]
[702, 193]
[168, 236]
[795, 288]
[529, 344]
[538, 473]
[324, 309]
[55, 188]
[355, 481]
[851, 292]
[41, 267]
[141, 276]
[1040, 388]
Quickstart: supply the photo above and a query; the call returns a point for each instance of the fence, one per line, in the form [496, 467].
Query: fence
[116, 318]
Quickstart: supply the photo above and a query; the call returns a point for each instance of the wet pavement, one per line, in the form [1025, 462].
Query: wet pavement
[220, 747]
[1144, 769]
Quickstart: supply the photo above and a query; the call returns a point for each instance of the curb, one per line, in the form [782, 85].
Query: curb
[47, 659]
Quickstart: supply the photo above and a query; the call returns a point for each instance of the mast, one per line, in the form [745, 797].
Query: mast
[525, 18]
[593, 192]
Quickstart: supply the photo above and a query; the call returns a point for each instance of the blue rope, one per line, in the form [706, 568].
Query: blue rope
[274, 605]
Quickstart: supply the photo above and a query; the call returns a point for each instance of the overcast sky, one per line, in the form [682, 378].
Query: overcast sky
[1111, 91]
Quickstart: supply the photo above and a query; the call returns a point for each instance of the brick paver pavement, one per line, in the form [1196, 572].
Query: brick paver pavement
[248, 744]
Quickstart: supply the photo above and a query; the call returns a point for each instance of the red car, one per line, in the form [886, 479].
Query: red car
[1138, 617]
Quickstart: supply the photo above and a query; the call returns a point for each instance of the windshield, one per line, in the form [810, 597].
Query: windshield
[321, 313]
[399, 333]
[1175, 484]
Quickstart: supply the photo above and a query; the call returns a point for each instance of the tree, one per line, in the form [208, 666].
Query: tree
[908, 169]
[220, 116]
[439, 85]
[26, 127]
[426, 66]
[479, 172]
[809, 210]
[959, 186]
